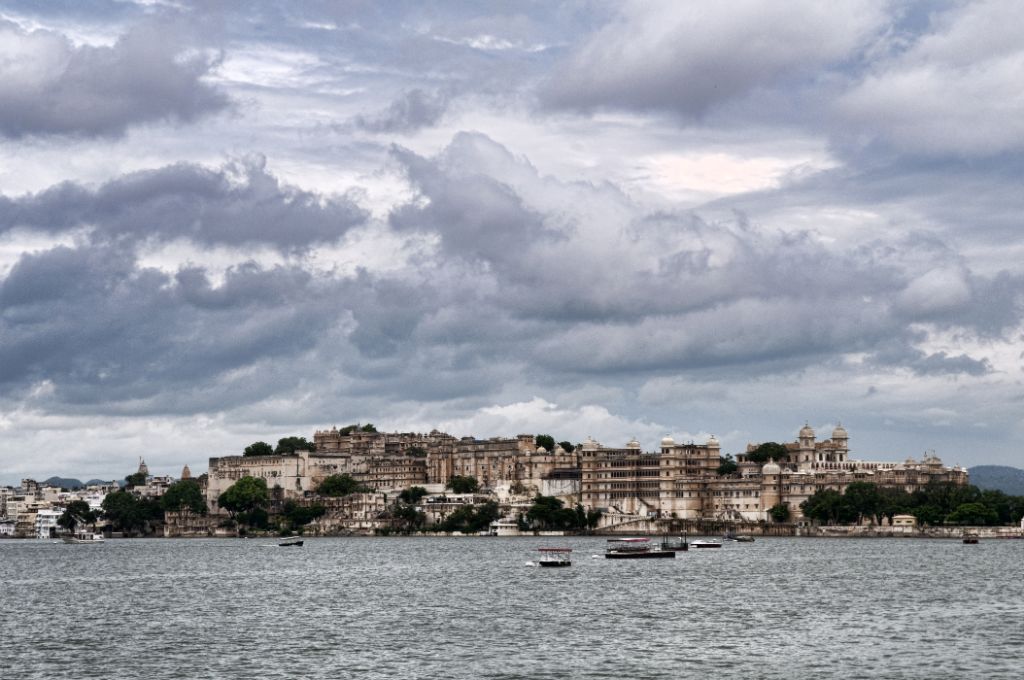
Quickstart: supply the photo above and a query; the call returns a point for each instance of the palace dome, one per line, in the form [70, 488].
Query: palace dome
[667, 441]
[541, 450]
[840, 432]
[633, 444]
[806, 431]
[771, 468]
[713, 441]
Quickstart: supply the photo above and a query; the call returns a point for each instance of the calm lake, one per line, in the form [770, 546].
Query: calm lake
[471, 608]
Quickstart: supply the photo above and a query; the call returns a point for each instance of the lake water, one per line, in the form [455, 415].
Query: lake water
[470, 608]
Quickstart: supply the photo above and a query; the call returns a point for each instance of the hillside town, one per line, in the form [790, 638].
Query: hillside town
[356, 480]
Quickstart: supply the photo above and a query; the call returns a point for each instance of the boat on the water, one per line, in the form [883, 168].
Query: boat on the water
[83, 537]
[675, 544]
[290, 543]
[738, 538]
[705, 543]
[634, 549]
[555, 557]
[970, 538]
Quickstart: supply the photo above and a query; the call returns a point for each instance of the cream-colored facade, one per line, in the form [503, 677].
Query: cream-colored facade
[392, 461]
[681, 481]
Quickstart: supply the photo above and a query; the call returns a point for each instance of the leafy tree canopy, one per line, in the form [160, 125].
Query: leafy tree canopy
[545, 440]
[135, 479]
[463, 484]
[301, 515]
[349, 429]
[128, 513]
[470, 519]
[289, 445]
[184, 495]
[726, 465]
[567, 446]
[779, 512]
[341, 485]
[259, 449]
[412, 495]
[768, 451]
[245, 495]
[75, 512]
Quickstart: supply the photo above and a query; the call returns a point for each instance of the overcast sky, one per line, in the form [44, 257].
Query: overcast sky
[224, 222]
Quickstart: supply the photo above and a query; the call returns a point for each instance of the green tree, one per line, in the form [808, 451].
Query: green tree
[300, 515]
[259, 449]
[75, 512]
[470, 519]
[769, 451]
[828, 506]
[412, 495]
[135, 479]
[289, 445]
[567, 446]
[184, 495]
[779, 512]
[409, 517]
[545, 440]
[463, 484]
[128, 513]
[341, 485]
[864, 499]
[726, 465]
[368, 428]
[973, 514]
[245, 496]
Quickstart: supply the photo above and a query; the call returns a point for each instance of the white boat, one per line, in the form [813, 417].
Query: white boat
[83, 537]
[704, 543]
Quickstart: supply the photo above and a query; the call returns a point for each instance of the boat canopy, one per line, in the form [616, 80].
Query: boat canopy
[555, 550]
[629, 540]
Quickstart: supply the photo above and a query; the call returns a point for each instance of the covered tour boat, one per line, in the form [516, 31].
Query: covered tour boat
[634, 549]
[704, 543]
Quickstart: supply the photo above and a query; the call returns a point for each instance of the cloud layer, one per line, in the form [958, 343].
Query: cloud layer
[543, 220]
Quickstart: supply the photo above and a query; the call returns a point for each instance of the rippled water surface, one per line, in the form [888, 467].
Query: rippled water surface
[470, 608]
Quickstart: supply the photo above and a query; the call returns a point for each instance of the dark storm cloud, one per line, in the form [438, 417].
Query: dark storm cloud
[51, 87]
[236, 204]
[412, 111]
[103, 329]
[687, 58]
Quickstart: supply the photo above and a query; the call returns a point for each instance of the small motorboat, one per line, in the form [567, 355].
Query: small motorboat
[705, 543]
[290, 543]
[970, 538]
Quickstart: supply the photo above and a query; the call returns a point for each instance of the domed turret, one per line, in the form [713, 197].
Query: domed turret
[541, 450]
[771, 468]
[633, 444]
[806, 432]
[667, 441]
[713, 442]
[590, 445]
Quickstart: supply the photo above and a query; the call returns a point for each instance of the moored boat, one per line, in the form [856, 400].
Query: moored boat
[970, 538]
[291, 543]
[83, 537]
[675, 544]
[555, 557]
[633, 549]
[704, 543]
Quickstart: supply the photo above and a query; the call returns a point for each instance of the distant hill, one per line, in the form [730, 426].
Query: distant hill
[64, 482]
[998, 477]
[97, 481]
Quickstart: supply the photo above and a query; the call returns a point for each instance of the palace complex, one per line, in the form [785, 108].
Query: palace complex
[679, 480]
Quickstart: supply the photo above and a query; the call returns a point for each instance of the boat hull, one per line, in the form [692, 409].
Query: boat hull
[653, 554]
[565, 563]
